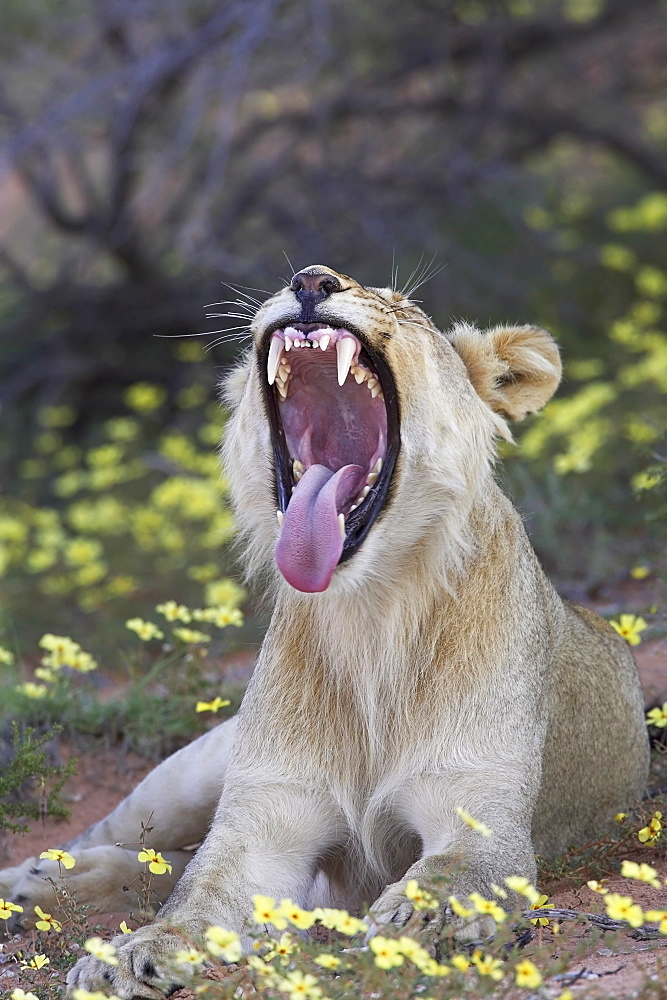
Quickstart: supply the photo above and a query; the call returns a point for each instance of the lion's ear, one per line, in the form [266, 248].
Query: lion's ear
[515, 369]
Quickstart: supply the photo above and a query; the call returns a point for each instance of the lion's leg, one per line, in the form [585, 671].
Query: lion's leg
[267, 839]
[456, 859]
[176, 802]
[106, 878]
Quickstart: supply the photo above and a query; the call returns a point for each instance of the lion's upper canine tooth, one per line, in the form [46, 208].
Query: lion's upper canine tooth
[275, 351]
[345, 350]
[341, 524]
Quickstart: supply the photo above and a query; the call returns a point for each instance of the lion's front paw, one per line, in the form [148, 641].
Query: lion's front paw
[145, 966]
[393, 909]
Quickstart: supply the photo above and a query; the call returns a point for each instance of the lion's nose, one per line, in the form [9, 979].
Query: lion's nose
[314, 286]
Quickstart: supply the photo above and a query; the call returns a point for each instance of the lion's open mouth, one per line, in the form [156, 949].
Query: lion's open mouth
[333, 414]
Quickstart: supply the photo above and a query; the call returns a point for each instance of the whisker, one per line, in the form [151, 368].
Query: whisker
[291, 266]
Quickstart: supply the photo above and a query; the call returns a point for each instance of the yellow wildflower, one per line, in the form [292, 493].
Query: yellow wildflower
[156, 863]
[487, 965]
[521, 885]
[657, 717]
[225, 592]
[488, 906]
[650, 834]
[102, 950]
[639, 572]
[282, 948]
[268, 912]
[629, 626]
[223, 944]
[300, 985]
[339, 920]
[174, 612]
[303, 919]
[421, 958]
[7, 908]
[189, 957]
[32, 690]
[6, 657]
[387, 952]
[19, 994]
[191, 635]
[539, 904]
[62, 857]
[659, 917]
[145, 397]
[327, 961]
[212, 706]
[124, 928]
[527, 974]
[460, 962]
[474, 824]
[145, 630]
[624, 908]
[598, 886]
[219, 616]
[420, 898]
[459, 909]
[347, 924]
[36, 962]
[498, 891]
[619, 817]
[46, 922]
[642, 872]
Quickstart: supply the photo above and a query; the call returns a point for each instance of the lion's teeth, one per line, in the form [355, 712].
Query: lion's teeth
[324, 341]
[345, 350]
[372, 382]
[298, 469]
[282, 389]
[288, 343]
[378, 466]
[371, 478]
[341, 525]
[281, 517]
[272, 365]
[376, 391]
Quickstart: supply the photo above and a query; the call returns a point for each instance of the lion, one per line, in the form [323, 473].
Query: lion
[419, 667]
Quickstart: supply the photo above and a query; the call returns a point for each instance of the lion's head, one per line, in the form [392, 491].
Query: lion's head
[360, 429]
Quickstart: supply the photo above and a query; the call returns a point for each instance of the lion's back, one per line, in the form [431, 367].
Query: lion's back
[596, 750]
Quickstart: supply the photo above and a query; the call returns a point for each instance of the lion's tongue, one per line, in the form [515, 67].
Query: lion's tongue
[310, 542]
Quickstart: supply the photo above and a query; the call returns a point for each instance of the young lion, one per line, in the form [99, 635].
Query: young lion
[417, 662]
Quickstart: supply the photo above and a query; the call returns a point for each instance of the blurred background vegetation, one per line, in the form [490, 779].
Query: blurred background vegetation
[159, 155]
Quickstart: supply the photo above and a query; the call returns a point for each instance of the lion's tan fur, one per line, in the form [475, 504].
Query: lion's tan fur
[438, 670]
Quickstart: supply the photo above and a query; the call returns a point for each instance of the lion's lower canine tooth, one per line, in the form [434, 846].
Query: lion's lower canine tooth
[345, 349]
[341, 524]
[275, 352]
